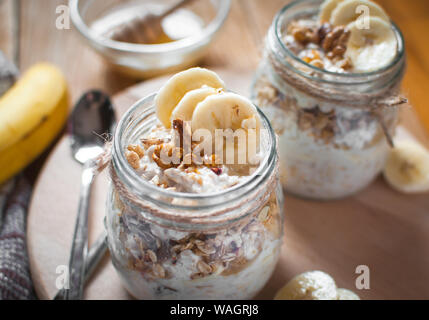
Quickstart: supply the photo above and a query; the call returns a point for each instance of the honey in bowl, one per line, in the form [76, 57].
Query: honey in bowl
[147, 28]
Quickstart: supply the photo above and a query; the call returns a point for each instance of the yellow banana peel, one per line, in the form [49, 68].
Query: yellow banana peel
[32, 113]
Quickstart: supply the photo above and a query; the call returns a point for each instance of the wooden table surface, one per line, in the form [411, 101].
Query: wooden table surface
[238, 47]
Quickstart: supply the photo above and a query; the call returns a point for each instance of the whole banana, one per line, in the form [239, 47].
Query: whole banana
[32, 113]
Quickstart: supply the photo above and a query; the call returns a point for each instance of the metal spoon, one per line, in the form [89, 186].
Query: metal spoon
[92, 117]
[95, 254]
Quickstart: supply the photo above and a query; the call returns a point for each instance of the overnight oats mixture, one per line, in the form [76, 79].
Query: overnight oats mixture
[327, 148]
[233, 261]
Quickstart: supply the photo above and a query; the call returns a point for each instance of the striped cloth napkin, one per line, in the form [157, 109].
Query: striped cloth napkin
[15, 279]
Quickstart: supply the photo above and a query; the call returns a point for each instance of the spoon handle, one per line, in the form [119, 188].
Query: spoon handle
[80, 237]
[95, 254]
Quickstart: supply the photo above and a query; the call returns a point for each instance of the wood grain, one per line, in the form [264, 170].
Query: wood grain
[378, 227]
[393, 241]
[6, 42]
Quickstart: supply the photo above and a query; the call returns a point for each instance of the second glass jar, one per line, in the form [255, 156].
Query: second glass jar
[329, 148]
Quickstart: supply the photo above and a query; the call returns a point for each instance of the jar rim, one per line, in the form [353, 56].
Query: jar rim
[276, 27]
[139, 184]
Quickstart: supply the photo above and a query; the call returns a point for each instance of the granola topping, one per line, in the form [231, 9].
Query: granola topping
[320, 45]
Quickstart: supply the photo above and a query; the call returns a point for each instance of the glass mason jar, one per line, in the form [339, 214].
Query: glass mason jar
[334, 128]
[170, 245]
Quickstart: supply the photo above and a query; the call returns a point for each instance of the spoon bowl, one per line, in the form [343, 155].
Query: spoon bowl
[91, 123]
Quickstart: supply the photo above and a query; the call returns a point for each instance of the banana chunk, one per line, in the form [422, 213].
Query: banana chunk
[230, 111]
[225, 111]
[326, 9]
[344, 294]
[407, 167]
[346, 12]
[177, 86]
[312, 285]
[185, 109]
[371, 49]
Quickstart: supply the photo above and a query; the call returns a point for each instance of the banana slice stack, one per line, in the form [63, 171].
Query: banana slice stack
[314, 285]
[197, 95]
[373, 43]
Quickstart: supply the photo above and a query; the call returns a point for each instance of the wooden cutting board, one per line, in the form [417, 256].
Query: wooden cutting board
[380, 228]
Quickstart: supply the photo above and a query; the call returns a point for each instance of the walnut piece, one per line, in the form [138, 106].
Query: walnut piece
[335, 42]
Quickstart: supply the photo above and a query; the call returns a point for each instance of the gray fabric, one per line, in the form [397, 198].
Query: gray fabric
[8, 73]
[15, 279]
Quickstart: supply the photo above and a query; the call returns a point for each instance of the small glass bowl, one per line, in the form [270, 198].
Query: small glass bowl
[148, 60]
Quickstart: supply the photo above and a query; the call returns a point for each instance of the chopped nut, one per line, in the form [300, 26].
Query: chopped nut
[303, 34]
[324, 30]
[335, 42]
[137, 149]
[133, 159]
[151, 142]
[167, 156]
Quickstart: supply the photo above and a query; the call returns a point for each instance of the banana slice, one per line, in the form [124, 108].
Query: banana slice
[371, 49]
[177, 86]
[344, 294]
[312, 285]
[185, 109]
[230, 111]
[407, 167]
[346, 12]
[326, 9]
[225, 111]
